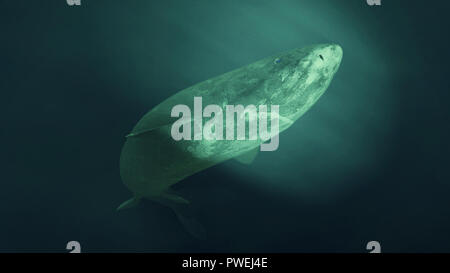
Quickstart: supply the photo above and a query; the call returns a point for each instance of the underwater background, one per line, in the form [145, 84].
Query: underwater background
[370, 161]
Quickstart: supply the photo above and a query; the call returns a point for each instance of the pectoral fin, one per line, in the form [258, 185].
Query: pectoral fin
[248, 157]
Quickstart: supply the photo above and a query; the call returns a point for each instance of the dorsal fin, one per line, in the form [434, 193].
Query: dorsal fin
[151, 121]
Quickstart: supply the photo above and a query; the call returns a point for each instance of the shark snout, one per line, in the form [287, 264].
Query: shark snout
[335, 53]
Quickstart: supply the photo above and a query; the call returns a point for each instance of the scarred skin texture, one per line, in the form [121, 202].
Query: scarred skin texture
[151, 160]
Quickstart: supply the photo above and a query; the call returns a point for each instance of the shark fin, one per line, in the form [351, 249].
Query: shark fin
[129, 203]
[192, 226]
[248, 157]
[180, 207]
[135, 133]
[150, 122]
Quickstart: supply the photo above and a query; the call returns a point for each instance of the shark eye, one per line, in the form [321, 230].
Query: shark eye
[277, 61]
[321, 57]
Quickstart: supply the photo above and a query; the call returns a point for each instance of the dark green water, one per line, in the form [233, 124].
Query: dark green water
[368, 162]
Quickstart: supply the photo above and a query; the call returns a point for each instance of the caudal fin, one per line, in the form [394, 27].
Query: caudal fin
[192, 226]
[180, 207]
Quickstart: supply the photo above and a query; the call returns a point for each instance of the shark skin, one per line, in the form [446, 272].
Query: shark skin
[152, 161]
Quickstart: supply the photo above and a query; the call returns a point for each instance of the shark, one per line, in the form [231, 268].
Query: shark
[152, 161]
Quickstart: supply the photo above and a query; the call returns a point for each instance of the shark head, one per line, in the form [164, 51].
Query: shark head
[302, 76]
[321, 62]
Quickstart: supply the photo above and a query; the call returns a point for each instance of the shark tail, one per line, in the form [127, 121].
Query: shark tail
[180, 207]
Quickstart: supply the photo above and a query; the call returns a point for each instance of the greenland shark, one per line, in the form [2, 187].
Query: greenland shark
[152, 160]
